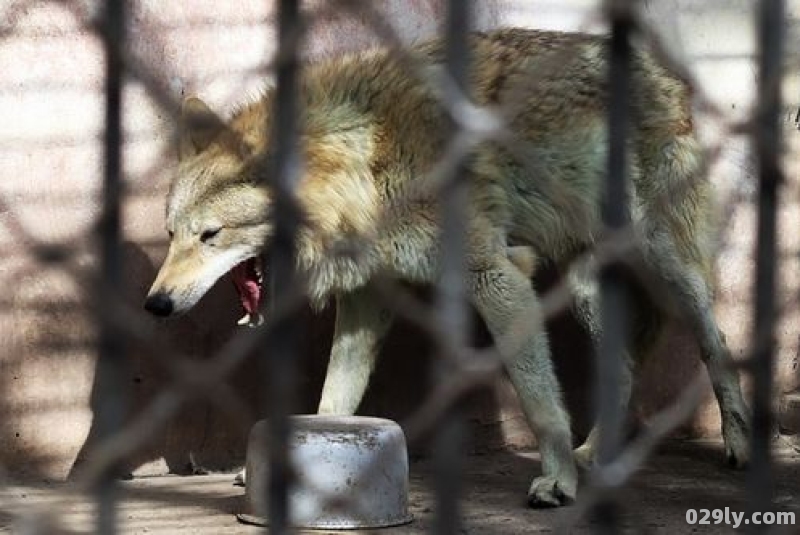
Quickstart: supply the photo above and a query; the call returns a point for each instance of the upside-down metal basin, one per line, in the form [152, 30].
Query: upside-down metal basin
[351, 472]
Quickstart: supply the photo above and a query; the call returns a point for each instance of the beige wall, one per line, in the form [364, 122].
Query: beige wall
[51, 121]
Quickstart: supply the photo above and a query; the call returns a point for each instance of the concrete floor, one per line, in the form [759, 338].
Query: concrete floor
[683, 475]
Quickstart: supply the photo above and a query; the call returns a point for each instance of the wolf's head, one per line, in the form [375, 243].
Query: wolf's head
[217, 217]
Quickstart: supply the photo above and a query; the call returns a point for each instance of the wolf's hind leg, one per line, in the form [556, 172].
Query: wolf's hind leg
[585, 291]
[505, 299]
[694, 300]
[586, 453]
[361, 323]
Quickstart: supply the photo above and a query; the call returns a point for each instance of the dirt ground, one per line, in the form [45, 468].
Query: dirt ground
[684, 475]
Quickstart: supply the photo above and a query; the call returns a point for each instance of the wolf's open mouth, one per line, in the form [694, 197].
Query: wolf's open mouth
[248, 277]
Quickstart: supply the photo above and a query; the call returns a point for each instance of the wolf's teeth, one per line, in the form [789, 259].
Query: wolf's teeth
[257, 265]
[251, 320]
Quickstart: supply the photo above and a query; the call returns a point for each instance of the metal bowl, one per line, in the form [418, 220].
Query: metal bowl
[351, 472]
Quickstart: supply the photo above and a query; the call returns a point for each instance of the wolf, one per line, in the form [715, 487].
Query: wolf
[371, 133]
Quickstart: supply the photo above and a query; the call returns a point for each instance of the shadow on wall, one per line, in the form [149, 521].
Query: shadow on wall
[200, 435]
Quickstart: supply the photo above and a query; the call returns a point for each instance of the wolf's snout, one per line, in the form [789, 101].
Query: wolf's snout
[159, 304]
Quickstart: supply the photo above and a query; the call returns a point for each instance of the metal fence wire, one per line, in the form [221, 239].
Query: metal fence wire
[459, 368]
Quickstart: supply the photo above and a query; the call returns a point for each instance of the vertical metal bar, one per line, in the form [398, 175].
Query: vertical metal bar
[615, 217]
[108, 394]
[767, 143]
[613, 296]
[453, 312]
[284, 173]
[453, 194]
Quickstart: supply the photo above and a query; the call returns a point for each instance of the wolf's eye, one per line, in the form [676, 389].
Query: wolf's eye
[170, 234]
[209, 234]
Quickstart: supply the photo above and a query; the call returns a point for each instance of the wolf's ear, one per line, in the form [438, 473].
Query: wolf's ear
[199, 128]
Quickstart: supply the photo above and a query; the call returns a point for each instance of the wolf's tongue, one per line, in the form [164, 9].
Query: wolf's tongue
[245, 278]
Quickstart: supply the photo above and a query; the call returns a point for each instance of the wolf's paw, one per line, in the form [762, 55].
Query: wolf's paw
[736, 433]
[550, 491]
[584, 456]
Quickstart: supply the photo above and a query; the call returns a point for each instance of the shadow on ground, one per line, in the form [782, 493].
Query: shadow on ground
[682, 476]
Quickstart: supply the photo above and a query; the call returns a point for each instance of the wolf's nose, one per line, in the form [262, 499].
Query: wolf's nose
[159, 304]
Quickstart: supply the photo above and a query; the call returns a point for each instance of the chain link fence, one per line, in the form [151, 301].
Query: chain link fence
[459, 368]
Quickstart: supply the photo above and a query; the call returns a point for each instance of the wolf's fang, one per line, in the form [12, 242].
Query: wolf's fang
[256, 319]
[251, 320]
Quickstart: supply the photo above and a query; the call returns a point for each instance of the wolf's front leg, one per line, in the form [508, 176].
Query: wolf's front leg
[361, 323]
[506, 301]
